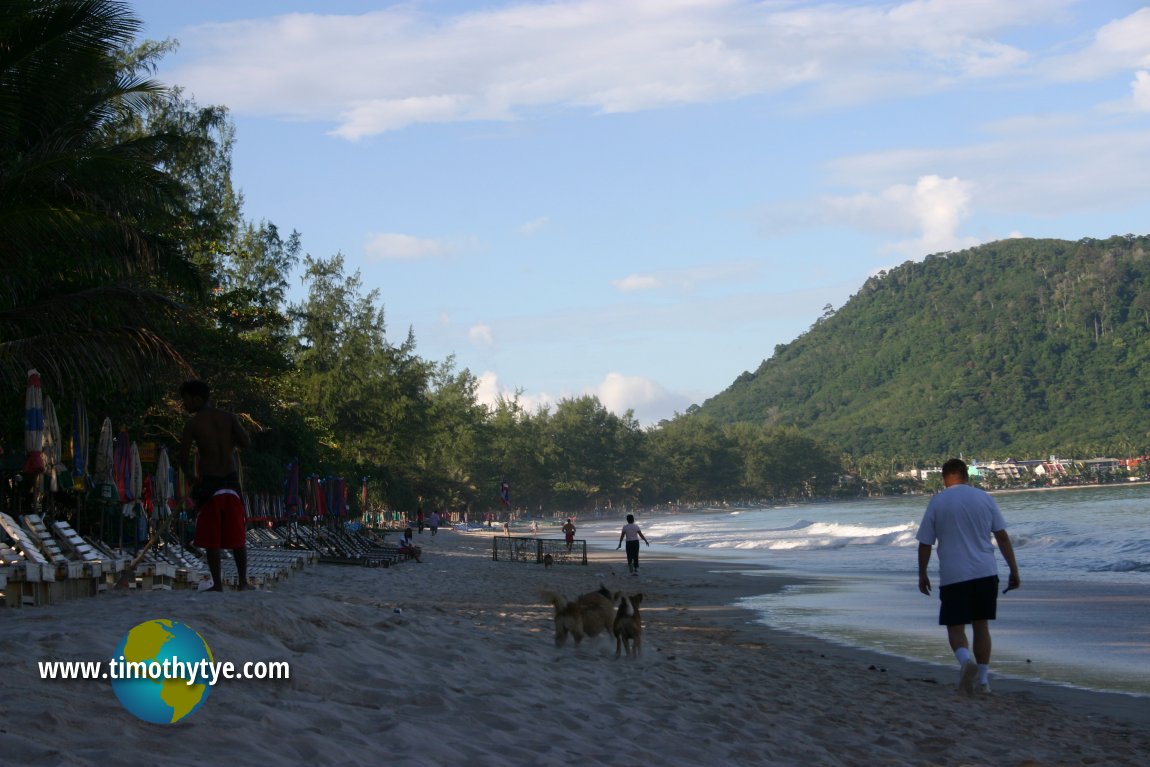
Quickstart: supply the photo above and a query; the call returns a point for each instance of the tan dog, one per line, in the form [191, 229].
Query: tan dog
[589, 615]
[628, 627]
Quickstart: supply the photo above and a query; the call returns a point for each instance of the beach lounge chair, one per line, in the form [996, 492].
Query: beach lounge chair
[74, 544]
[23, 542]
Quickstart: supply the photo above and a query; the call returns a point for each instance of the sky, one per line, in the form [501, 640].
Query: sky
[639, 199]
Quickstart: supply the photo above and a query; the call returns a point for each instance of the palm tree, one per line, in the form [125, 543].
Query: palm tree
[90, 223]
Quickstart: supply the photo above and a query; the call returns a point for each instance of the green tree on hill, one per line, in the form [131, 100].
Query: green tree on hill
[1019, 346]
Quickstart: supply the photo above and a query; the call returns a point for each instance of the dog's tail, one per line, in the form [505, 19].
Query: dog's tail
[557, 600]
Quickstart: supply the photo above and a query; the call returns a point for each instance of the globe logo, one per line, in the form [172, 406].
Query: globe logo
[165, 681]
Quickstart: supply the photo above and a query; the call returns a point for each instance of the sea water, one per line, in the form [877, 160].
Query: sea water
[1081, 618]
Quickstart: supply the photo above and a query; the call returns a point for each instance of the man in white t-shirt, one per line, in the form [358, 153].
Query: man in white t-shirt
[963, 519]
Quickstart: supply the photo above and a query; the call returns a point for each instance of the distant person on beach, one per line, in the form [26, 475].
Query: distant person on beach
[962, 519]
[220, 522]
[569, 534]
[407, 546]
[433, 523]
[419, 519]
[632, 533]
[534, 527]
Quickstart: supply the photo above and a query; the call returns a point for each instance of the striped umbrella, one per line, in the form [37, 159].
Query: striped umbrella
[33, 425]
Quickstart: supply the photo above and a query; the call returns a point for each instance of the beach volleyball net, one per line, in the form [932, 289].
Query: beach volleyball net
[535, 550]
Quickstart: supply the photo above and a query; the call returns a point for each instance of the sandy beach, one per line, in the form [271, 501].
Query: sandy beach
[452, 662]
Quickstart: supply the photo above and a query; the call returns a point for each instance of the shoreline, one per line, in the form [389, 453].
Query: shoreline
[466, 672]
[1127, 706]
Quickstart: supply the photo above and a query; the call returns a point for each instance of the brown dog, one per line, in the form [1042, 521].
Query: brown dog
[628, 627]
[589, 615]
[548, 560]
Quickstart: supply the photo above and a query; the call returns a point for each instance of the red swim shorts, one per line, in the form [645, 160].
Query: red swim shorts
[221, 523]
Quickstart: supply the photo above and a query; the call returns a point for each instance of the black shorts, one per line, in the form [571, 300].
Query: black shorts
[968, 601]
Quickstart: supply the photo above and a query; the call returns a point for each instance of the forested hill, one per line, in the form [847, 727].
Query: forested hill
[1016, 348]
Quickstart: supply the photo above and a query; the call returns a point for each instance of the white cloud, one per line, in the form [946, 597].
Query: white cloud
[1141, 91]
[933, 208]
[637, 282]
[1018, 174]
[372, 116]
[402, 247]
[1118, 46]
[686, 279]
[384, 70]
[649, 401]
[1030, 125]
[618, 393]
[534, 226]
[939, 205]
[480, 335]
[489, 390]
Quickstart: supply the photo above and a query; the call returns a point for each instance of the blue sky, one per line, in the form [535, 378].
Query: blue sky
[639, 199]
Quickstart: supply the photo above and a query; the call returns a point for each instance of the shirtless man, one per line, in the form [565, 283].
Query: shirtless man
[220, 522]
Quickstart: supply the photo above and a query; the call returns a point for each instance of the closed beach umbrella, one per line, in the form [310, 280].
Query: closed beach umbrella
[163, 488]
[106, 456]
[122, 465]
[319, 497]
[79, 444]
[136, 487]
[338, 495]
[135, 478]
[291, 489]
[33, 425]
[53, 445]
